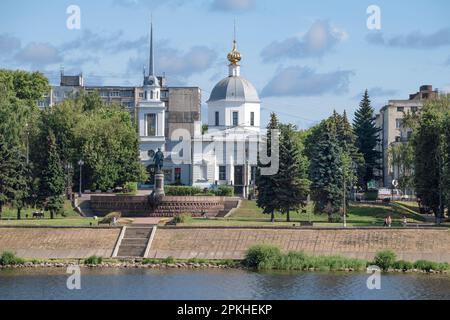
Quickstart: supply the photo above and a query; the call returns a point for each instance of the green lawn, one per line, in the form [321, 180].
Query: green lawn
[358, 215]
[70, 218]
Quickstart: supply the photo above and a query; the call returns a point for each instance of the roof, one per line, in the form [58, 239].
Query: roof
[234, 88]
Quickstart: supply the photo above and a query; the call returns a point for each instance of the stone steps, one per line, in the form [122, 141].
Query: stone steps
[134, 242]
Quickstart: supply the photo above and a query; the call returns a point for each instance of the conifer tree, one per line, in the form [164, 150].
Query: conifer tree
[326, 170]
[265, 183]
[291, 183]
[367, 140]
[52, 181]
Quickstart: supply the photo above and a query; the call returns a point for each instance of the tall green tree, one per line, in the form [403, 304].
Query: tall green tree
[431, 155]
[52, 179]
[326, 171]
[367, 140]
[265, 183]
[291, 183]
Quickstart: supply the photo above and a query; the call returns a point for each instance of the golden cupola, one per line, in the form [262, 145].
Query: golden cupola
[234, 56]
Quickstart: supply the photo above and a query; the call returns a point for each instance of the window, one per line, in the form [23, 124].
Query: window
[253, 174]
[222, 173]
[400, 109]
[409, 135]
[252, 119]
[398, 139]
[168, 175]
[398, 123]
[177, 175]
[414, 109]
[235, 118]
[151, 125]
[217, 118]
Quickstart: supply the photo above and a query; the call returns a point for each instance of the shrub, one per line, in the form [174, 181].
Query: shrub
[10, 259]
[110, 218]
[131, 187]
[224, 191]
[196, 260]
[403, 265]
[371, 195]
[182, 191]
[93, 260]
[150, 261]
[385, 259]
[168, 260]
[182, 218]
[426, 265]
[263, 257]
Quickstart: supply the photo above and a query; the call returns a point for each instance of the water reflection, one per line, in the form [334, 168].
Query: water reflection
[217, 284]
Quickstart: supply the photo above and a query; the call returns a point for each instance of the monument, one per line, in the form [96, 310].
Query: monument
[159, 175]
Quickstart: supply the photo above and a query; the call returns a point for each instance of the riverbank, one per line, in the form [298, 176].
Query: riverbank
[323, 264]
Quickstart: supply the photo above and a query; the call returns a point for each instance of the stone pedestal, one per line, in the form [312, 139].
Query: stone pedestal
[159, 184]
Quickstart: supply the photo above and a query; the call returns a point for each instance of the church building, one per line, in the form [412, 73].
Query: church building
[226, 154]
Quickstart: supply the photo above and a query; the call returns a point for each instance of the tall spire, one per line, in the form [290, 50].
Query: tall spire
[234, 56]
[151, 66]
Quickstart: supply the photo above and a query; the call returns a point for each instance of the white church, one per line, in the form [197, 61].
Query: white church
[224, 155]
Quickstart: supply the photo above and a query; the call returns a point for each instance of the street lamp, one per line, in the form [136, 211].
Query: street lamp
[69, 168]
[81, 164]
[28, 142]
[344, 197]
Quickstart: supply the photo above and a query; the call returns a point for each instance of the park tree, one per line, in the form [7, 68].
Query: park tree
[52, 179]
[326, 165]
[266, 183]
[401, 158]
[291, 185]
[367, 140]
[431, 157]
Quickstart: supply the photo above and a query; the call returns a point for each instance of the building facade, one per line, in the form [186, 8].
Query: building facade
[393, 131]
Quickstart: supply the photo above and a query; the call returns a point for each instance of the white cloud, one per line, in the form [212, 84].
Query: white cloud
[320, 39]
[39, 54]
[233, 5]
[304, 81]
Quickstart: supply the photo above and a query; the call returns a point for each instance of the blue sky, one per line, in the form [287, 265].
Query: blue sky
[306, 58]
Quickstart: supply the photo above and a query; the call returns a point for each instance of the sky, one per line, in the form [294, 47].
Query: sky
[306, 58]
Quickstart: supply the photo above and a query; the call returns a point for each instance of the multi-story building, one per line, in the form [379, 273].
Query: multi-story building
[392, 129]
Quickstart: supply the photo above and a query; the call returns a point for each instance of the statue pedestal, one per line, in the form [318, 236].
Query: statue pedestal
[159, 184]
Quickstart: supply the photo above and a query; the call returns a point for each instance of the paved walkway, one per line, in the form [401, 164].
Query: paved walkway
[152, 221]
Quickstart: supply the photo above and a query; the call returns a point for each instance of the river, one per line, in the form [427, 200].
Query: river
[175, 284]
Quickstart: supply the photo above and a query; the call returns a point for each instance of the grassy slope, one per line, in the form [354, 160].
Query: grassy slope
[71, 218]
[359, 215]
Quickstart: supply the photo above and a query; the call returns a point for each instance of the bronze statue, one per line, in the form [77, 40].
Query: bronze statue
[159, 160]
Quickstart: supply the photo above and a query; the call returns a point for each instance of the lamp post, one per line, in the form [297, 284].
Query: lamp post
[344, 204]
[28, 142]
[81, 164]
[69, 168]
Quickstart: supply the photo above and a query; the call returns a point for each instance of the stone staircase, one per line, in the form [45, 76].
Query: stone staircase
[135, 241]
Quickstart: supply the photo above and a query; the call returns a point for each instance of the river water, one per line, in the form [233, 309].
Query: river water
[148, 284]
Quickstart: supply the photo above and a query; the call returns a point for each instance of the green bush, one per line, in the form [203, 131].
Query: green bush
[426, 265]
[196, 260]
[182, 191]
[93, 260]
[403, 265]
[10, 259]
[371, 195]
[150, 261]
[110, 218]
[182, 218]
[262, 257]
[131, 187]
[168, 260]
[224, 191]
[385, 259]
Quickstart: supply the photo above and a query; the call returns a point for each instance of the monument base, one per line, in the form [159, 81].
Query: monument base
[159, 184]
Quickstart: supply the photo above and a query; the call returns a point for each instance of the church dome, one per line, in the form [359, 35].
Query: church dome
[234, 88]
